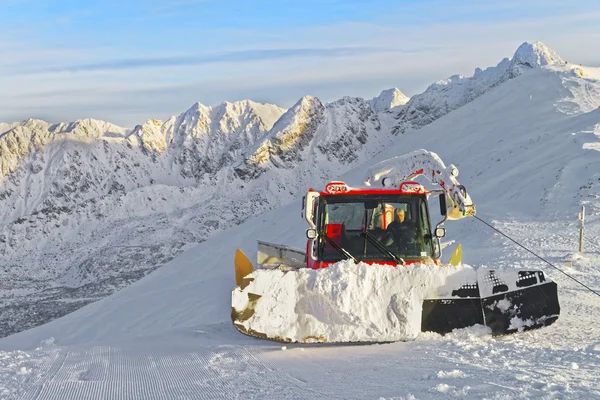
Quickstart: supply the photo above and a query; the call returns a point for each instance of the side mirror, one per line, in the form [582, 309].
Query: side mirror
[443, 208]
[440, 232]
[311, 234]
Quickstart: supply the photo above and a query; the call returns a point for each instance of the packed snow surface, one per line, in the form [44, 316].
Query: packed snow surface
[345, 302]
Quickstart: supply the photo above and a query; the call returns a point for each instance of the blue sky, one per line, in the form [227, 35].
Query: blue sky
[127, 61]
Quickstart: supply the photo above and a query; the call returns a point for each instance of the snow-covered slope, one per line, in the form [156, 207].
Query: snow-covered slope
[525, 151]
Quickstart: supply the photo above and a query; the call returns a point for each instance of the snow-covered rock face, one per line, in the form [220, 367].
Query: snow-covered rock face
[389, 98]
[20, 140]
[207, 139]
[310, 131]
[282, 146]
[150, 136]
[354, 130]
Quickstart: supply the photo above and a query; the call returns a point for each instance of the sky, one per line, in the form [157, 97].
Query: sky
[128, 61]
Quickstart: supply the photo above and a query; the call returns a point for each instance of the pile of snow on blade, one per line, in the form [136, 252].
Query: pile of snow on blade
[346, 302]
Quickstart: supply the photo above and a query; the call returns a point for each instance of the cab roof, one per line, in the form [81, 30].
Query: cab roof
[339, 188]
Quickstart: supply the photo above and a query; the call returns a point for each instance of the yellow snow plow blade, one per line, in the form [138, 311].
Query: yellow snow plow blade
[456, 256]
[243, 266]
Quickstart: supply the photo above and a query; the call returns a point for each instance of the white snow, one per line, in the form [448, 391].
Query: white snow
[23, 371]
[455, 373]
[574, 366]
[504, 304]
[520, 324]
[443, 387]
[169, 335]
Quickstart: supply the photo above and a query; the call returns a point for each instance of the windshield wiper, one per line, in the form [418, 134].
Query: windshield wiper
[382, 248]
[336, 246]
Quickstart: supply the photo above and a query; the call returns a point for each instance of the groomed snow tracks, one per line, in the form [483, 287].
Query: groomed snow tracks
[220, 372]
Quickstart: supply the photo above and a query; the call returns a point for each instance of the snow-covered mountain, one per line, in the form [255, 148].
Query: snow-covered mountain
[89, 207]
[527, 151]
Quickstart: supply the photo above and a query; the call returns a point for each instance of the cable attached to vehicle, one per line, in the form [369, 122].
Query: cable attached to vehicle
[544, 260]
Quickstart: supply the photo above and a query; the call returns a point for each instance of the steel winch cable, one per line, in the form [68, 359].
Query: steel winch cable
[541, 258]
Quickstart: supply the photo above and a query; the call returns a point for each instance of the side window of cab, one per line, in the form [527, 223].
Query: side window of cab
[425, 233]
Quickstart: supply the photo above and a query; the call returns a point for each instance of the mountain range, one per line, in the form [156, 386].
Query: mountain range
[89, 207]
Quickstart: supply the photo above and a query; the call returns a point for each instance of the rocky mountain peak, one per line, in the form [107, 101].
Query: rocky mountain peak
[389, 98]
[536, 55]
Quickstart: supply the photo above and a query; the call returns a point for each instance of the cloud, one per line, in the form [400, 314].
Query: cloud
[172, 7]
[231, 57]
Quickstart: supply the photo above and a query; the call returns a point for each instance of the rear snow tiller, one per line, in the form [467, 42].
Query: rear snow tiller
[387, 222]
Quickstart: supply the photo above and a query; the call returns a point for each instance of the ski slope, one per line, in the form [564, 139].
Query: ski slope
[169, 336]
[526, 150]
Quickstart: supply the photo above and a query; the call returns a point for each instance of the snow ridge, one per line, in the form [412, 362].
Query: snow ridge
[449, 94]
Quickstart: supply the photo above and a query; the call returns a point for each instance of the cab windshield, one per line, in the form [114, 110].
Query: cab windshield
[369, 227]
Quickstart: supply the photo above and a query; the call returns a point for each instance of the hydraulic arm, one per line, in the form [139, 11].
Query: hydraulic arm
[394, 171]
